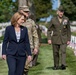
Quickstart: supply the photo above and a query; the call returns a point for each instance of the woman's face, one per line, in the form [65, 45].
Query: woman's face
[21, 20]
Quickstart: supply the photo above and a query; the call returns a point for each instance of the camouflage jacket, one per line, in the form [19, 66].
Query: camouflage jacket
[32, 33]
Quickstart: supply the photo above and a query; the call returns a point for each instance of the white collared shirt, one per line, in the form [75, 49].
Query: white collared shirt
[18, 36]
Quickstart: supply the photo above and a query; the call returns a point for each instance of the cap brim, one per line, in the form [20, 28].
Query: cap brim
[26, 10]
[61, 10]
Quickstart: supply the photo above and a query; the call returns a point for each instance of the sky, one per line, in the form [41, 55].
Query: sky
[54, 6]
[13, 0]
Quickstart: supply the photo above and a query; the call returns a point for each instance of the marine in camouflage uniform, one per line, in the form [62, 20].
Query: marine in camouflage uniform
[33, 37]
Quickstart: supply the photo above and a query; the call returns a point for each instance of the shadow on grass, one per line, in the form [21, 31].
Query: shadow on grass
[72, 61]
[44, 40]
[37, 64]
[50, 67]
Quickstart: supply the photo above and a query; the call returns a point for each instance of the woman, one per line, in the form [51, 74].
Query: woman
[16, 45]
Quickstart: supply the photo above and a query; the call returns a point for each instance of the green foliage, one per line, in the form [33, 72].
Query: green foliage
[7, 8]
[74, 1]
[42, 8]
[70, 8]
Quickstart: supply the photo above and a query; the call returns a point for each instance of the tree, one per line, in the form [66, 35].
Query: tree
[7, 8]
[74, 1]
[70, 8]
[42, 8]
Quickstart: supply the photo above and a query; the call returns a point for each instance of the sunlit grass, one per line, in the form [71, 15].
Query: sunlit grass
[46, 63]
[3, 67]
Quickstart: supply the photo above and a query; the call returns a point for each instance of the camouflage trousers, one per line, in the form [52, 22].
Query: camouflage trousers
[32, 63]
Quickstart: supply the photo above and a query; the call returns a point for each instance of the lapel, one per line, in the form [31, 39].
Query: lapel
[62, 20]
[60, 24]
[14, 33]
[59, 21]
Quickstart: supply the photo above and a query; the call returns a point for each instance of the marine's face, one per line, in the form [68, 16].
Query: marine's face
[27, 13]
[60, 13]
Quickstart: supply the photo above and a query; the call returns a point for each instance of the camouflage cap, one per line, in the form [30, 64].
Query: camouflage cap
[24, 8]
[61, 9]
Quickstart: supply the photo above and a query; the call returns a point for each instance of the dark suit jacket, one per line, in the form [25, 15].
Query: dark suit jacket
[61, 31]
[10, 44]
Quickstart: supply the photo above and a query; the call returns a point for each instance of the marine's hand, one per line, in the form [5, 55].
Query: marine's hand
[49, 42]
[29, 58]
[35, 51]
[4, 57]
[21, 11]
[68, 42]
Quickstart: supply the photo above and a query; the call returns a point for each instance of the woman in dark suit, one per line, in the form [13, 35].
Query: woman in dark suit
[16, 45]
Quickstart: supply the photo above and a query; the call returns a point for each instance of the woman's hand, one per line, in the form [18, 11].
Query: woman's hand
[4, 57]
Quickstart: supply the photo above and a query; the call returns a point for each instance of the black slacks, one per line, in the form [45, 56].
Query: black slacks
[15, 64]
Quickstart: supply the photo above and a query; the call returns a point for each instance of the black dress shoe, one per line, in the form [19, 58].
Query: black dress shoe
[33, 64]
[25, 73]
[63, 67]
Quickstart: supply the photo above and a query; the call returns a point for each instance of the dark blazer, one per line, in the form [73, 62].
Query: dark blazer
[61, 31]
[10, 44]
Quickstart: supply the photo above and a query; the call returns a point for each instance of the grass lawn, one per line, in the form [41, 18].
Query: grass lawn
[45, 63]
[3, 67]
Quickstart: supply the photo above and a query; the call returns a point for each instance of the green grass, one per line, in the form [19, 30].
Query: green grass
[3, 67]
[71, 62]
[45, 63]
[73, 33]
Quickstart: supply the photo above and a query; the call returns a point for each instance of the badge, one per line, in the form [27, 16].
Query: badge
[65, 22]
[64, 26]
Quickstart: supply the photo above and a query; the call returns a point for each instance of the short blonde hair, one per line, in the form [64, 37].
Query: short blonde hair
[15, 18]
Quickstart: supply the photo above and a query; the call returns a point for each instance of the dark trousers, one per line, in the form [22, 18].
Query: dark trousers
[62, 48]
[34, 61]
[35, 57]
[16, 64]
